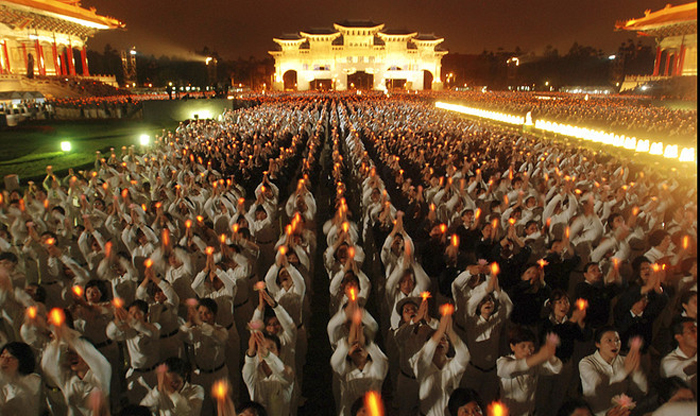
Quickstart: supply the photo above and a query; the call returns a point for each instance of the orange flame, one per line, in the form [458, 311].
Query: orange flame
[447, 309]
[143, 207]
[209, 250]
[31, 312]
[78, 291]
[222, 238]
[345, 226]
[425, 295]
[353, 294]
[351, 252]
[235, 228]
[241, 201]
[165, 235]
[477, 213]
[188, 223]
[108, 248]
[686, 241]
[200, 218]
[159, 204]
[118, 302]
[542, 263]
[616, 263]
[548, 222]
[125, 193]
[497, 409]
[581, 304]
[511, 221]
[655, 267]
[567, 232]
[495, 268]
[455, 240]
[635, 211]
[283, 250]
[443, 228]
[219, 390]
[148, 263]
[373, 404]
[494, 223]
[57, 317]
[50, 241]
[46, 203]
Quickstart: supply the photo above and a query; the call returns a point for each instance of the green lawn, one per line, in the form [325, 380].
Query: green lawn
[27, 149]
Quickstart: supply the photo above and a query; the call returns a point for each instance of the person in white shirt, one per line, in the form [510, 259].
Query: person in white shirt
[20, 387]
[142, 341]
[77, 370]
[360, 365]
[269, 381]
[438, 374]
[520, 371]
[683, 361]
[174, 395]
[605, 373]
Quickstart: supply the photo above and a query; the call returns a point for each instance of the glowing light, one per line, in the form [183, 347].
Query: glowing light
[671, 151]
[447, 309]
[209, 250]
[118, 303]
[66, 147]
[200, 218]
[31, 312]
[542, 263]
[50, 241]
[373, 404]
[144, 140]
[687, 155]
[234, 228]
[353, 293]
[511, 221]
[78, 290]
[455, 240]
[657, 148]
[443, 228]
[220, 390]
[283, 250]
[567, 232]
[188, 223]
[476, 112]
[425, 295]
[495, 269]
[222, 238]
[477, 213]
[148, 263]
[642, 146]
[497, 409]
[686, 242]
[57, 317]
[581, 304]
[351, 252]
[345, 227]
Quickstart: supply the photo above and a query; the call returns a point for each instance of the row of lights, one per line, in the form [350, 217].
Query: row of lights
[144, 140]
[669, 151]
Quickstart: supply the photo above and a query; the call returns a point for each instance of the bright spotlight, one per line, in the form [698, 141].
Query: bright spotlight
[144, 139]
[66, 147]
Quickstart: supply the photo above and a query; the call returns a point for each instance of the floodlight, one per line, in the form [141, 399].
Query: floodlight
[66, 146]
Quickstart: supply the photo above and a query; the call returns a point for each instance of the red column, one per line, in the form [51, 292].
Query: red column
[40, 57]
[83, 56]
[7, 57]
[71, 61]
[668, 63]
[657, 61]
[679, 61]
[56, 59]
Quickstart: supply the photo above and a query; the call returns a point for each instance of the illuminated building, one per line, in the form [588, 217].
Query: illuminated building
[50, 33]
[675, 29]
[357, 54]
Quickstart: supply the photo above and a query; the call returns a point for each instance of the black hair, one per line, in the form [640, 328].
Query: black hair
[529, 223]
[602, 330]
[686, 296]
[589, 264]
[557, 294]
[256, 408]
[141, 304]
[460, 397]
[209, 304]
[677, 326]
[39, 292]
[656, 237]
[24, 354]
[486, 298]
[569, 406]
[178, 366]
[275, 339]
[59, 209]
[521, 334]
[9, 256]
[101, 285]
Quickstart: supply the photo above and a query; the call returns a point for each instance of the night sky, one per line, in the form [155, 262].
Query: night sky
[236, 28]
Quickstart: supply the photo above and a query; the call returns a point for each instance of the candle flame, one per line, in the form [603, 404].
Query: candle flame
[443, 228]
[200, 218]
[148, 263]
[283, 250]
[188, 223]
[567, 232]
[351, 252]
[477, 213]
[511, 221]
[497, 409]
[542, 263]
[425, 295]
[455, 240]
[373, 404]
[447, 309]
[581, 304]
[495, 268]
[118, 302]
[50, 241]
[222, 238]
[166, 236]
[125, 193]
[143, 207]
[655, 267]
[57, 317]
[78, 291]
[635, 211]
[209, 250]
[345, 226]
[31, 312]
[220, 390]
[235, 228]
[686, 241]
[353, 293]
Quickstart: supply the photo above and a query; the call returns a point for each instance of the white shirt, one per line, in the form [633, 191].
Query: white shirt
[674, 363]
[274, 392]
[185, 402]
[519, 382]
[602, 381]
[437, 384]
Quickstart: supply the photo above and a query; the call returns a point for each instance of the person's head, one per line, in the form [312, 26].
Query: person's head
[531, 227]
[592, 273]
[349, 280]
[178, 372]
[273, 343]
[465, 402]
[8, 260]
[607, 341]
[251, 409]
[556, 246]
[558, 304]
[689, 303]
[407, 308]
[207, 310]
[575, 407]
[138, 310]
[284, 279]
[660, 239]
[641, 267]
[487, 306]
[96, 291]
[17, 358]
[260, 213]
[522, 342]
[36, 291]
[531, 272]
[685, 334]
[615, 220]
[272, 324]
[407, 282]
[674, 389]
[467, 216]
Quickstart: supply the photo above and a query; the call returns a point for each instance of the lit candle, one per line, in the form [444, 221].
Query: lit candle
[345, 226]
[57, 317]
[494, 223]
[188, 223]
[143, 207]
[351, 252]
[477, 213]
[425, 295]
[581, 304]
[373, 404]
[118, 303]
[220, 390]
[222, 238]
[655, 267]
[511, 221]
[283, 250]
[200, 218]
[165, 235]
[31, 312]
[455, 240]
[125, 193]
[50, 241]
[495, 269]
[447, 309]
[234, 227]
[148, 263]
[209, 250]
[542, 263]
[78, 291]
[353, 293]
[567, 232]
[686, 242]
[443, 228]
[497, 409]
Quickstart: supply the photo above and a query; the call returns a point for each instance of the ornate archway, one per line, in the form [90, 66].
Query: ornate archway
[290, 80]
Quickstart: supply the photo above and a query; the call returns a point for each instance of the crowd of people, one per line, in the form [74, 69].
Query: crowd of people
[465, 266]
[633, 116]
